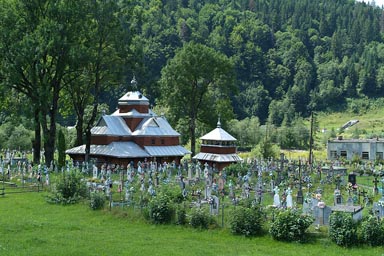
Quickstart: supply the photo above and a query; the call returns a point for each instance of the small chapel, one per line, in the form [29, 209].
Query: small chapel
[218, 149]
[132, 134]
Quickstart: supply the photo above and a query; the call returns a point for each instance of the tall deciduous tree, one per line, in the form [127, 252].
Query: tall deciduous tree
[104, 44]
[37, 46]
[195, 83]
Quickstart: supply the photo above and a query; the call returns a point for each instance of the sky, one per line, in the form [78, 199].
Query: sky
[377, 2]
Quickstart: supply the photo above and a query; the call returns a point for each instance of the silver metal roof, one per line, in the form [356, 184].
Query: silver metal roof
[134, 113]
[154, 126]
[111, 125]
[220, 158]
[126, 149]
[218, 134]
[166, 150]
[129, 149]
[133, 98]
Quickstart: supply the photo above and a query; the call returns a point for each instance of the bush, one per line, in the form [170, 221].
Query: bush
[372, 231]
[246, 221]
[181, 216]
[342, 229]
[290, 225]
[68, 188]
[160, 209]
[173, 193]
[199, 219]
[97, 200]
[234, 169]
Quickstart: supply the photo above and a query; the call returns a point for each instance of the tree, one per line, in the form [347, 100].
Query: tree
[100, 63]
[61, 145]
[37, 48]
[195, 80]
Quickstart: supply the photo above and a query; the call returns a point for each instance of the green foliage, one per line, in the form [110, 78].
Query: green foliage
[199, 219]
[198, 80]
[290, 225]
[247, 221]
[15, 137]
[181, 216]
[343, 229]
[97, 200]
[372, 231]
[68, 188]
[236, 168]
[161, 209]
[172, 192]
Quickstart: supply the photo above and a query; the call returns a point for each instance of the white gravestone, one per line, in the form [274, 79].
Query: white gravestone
[276, 197]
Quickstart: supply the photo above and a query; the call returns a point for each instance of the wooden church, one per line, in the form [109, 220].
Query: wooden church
[131, 134]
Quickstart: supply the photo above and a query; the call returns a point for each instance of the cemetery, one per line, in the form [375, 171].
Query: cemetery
[139, 170]
[247, 198]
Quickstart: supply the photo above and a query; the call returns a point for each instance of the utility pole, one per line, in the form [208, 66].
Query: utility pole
[311, 143]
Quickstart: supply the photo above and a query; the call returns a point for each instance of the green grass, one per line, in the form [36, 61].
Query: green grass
[370, 122]
[30, 226]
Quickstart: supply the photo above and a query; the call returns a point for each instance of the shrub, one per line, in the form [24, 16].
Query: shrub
[246, 221]
[234, 169]
[290, 225]
[181, 216]
[372, 231]
[199, 219]
[342, 229]
[97, 200]
[68, 188]
[173, 193]
[160, 209]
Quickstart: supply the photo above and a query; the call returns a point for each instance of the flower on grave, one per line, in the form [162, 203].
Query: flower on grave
[210, 200]
[318, 196]
[321, 205]
[380, 203]
[349, 186]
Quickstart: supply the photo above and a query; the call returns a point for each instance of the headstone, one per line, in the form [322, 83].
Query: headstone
[214, 205]
[378, 209]
[221, 183]
[245, 192]
[289, 198]
[231, 192]
[355, 210]
[307, 204]
[338, 200]
[352, 179]
[321, 214]
[189, 173]
[276, 197]
[94, 172]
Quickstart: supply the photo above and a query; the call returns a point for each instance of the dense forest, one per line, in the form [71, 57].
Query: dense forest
[256, 62]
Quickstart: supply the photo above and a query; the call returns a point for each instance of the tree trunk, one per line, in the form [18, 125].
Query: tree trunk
[79, 130]
[88, 132]
[36, 144]
[192, 131]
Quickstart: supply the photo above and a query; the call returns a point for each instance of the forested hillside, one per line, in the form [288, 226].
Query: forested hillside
[62, 59]
[290, 56]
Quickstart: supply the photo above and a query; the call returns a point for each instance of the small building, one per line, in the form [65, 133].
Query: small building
[132, 133]
[218, 149]
[365, 149]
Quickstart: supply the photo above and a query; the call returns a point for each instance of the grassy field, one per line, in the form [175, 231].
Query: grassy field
[370, 122]
[30, 226]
